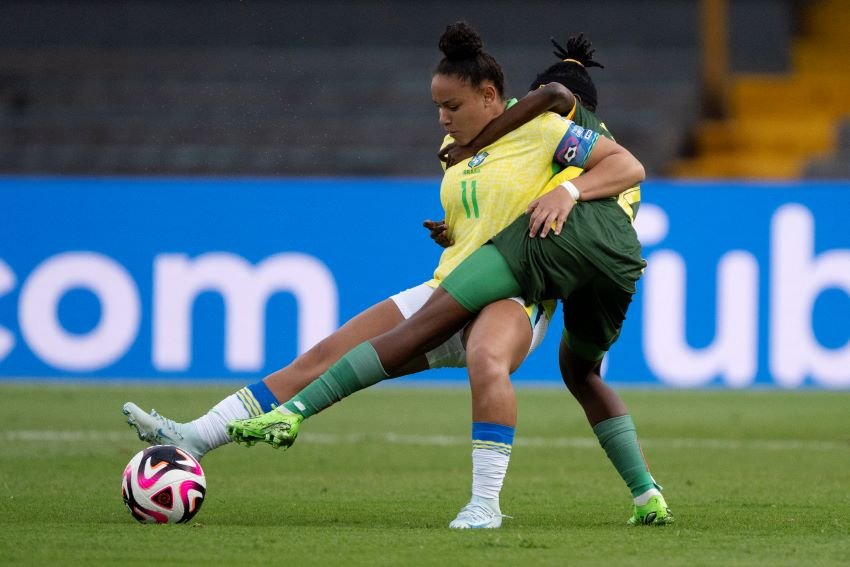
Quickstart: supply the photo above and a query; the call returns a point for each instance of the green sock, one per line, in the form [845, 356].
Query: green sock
[618, 437]
[358, 369]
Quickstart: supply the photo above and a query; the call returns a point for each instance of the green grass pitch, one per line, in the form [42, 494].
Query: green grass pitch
[754, 478]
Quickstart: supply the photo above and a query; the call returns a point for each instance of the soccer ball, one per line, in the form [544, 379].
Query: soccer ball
[163, 484]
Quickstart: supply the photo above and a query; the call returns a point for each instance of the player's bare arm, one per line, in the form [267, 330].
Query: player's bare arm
[608, 169]
[553, 97]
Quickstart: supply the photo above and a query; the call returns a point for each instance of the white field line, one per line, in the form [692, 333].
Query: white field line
[92, 436]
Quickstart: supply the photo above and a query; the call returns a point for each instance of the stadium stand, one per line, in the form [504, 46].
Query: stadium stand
[835, 165]
[324, 87]
[778, 123]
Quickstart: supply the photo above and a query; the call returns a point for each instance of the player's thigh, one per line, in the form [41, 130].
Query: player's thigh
[593, 317]
[289, 380]
[499, 337]
[366, 325]
[449, 354]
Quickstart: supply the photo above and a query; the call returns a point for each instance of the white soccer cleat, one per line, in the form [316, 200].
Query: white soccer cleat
[155, 429]
[479, 513]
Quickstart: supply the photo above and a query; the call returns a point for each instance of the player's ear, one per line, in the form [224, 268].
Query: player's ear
[488, 91]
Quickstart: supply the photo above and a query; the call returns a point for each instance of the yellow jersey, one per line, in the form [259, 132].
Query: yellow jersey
[483, 195]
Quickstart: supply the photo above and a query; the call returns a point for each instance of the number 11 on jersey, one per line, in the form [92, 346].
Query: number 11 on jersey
[472, 197]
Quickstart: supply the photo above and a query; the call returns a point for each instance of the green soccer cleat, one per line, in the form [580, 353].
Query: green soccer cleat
[654, 513]
[275, 428]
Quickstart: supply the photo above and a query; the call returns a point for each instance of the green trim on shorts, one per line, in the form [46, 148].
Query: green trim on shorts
[481, 279]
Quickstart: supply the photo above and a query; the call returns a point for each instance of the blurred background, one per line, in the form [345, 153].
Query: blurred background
[341, 88]
[163, 160]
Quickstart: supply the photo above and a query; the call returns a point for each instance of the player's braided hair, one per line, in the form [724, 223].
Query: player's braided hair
[571, 71]
[465, 59]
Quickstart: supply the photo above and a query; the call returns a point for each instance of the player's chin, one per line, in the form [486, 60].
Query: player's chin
[460, 138]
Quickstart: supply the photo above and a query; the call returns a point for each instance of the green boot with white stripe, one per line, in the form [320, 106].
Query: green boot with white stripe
[654, 512]
[276, 428]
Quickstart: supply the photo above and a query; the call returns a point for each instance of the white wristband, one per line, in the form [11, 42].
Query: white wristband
[572, 190]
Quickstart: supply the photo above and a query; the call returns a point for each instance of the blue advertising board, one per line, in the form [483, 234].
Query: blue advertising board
[747, 285]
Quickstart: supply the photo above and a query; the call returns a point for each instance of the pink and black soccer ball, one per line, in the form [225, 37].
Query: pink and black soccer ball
[163, 484]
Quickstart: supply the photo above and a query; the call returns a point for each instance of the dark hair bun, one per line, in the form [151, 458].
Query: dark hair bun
[460, 41]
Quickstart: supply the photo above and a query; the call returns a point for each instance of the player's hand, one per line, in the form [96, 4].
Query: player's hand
[454, 154]
[439, 232]
[553, 208]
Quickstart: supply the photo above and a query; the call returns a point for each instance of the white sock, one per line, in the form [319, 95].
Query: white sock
[212, 427]
[642, 499]
[489, 468]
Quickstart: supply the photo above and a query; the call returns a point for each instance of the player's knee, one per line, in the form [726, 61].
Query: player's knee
[576, 372]
[486, 363]
[570, 381]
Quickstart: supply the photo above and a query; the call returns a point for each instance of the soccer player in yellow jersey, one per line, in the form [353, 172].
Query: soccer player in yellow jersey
[468, 99]
[605, 411]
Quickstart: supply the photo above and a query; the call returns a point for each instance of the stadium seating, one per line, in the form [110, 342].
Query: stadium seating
[834, 165]
[779, 122]
[320, 88]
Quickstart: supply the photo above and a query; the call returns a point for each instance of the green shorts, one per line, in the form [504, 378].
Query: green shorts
[481, 279]
[594, 305]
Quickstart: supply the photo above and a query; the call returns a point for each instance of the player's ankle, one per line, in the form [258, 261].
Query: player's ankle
[644, 497]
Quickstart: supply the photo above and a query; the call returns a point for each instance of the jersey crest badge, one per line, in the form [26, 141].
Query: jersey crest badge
[477, 159]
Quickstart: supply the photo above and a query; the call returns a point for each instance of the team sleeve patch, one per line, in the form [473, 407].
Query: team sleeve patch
[576, 146]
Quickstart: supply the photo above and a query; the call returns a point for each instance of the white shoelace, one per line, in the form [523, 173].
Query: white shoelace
[170, 424]
[476, 514]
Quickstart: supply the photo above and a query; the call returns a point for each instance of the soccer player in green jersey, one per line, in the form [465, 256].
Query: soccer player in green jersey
[598, 275]
[604, 409]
